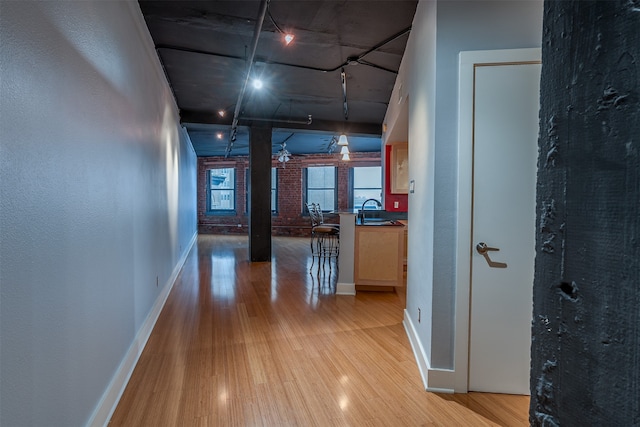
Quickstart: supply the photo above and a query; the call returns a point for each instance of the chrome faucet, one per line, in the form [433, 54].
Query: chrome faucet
[362, 208]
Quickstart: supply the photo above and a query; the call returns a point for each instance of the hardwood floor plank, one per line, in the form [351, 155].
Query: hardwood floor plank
[251, 344]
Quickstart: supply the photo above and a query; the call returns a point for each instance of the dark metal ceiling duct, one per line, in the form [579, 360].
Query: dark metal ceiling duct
[254, 45]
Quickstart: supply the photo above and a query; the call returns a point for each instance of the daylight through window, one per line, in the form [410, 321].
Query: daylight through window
[222, 189]
[321, 186]
[367, 184]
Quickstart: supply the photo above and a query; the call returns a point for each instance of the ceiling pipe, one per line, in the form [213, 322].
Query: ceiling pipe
[254, 45]
[297, 122]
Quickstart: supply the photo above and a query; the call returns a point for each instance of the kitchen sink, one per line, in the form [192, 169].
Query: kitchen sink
[379, 222]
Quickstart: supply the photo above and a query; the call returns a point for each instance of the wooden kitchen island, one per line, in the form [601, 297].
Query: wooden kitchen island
[379, 257]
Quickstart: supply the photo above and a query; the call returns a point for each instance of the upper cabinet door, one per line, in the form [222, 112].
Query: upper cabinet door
[400, 168]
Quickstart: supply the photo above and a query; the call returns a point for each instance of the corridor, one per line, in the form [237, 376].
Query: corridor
[268, 344]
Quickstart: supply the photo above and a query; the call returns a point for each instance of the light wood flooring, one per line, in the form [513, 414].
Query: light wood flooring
[269, 344]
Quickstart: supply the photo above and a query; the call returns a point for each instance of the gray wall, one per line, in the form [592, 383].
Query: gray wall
[97, 201]
[585, 364]
[463, 26]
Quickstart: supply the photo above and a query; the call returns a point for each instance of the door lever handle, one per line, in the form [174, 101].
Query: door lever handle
[483, 250]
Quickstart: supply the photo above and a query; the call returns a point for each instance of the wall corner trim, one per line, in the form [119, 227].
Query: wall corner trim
[434, 380]
[111, 396]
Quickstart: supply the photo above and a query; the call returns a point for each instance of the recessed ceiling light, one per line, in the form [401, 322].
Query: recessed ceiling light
[257, 83]
[221, 113]
[219, 135]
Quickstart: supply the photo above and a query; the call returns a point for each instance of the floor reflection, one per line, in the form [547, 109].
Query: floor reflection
[223, 276]
[226, 259]
[323, 276]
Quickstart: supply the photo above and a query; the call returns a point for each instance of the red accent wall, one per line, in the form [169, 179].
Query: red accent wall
[390, 199]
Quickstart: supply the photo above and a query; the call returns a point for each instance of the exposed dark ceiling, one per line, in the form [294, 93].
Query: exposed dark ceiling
[206, 46]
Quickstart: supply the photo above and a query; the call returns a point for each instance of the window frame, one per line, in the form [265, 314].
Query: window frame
[305, 195]
[353, 188]
[231, 211]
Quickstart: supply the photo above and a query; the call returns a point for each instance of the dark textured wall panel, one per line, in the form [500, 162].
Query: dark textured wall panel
[586, 320]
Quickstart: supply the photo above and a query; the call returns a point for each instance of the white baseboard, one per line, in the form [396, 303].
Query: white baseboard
[107, 405]
[434, 380]
[346, 289]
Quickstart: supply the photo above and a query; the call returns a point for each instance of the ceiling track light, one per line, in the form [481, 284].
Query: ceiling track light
[257, 84]
[287, 36]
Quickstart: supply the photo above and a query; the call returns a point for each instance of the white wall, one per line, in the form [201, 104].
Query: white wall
[97, 203]
[441, 29]
[420, 65]
[463, 26]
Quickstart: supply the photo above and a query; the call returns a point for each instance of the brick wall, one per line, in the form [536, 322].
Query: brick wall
[291, 218]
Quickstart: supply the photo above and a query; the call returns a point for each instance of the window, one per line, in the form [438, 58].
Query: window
[274, 190]
[366, 184]
[320, 186]
[222, 189]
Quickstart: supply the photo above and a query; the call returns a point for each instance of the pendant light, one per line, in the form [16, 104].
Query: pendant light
[344, 143]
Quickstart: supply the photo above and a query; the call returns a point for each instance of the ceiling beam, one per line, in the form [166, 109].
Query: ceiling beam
[331, 126]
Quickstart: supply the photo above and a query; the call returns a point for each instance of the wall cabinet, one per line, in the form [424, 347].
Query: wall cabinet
[393, 202]
[400, 168]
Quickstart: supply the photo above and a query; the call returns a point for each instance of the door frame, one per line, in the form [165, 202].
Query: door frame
[468, 61]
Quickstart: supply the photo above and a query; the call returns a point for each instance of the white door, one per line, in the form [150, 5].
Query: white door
[505, 133]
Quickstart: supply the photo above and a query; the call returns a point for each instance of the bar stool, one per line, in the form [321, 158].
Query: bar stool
[325, 238]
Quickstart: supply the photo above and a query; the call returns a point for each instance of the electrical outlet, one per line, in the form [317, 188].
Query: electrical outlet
[396, 204]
